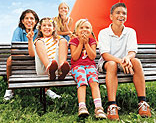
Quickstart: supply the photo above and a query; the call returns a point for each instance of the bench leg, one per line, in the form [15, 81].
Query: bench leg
[41, 95]
[43, 98]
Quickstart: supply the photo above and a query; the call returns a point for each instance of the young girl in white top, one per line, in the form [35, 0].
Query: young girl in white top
[64, 23]
[51, 51]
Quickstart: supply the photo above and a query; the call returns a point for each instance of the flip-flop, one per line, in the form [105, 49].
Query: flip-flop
[64, 70]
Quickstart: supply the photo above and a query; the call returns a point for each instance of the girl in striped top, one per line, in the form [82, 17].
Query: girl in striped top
[51, 51]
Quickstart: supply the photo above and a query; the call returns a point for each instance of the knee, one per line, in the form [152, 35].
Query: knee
[136, 62]
[63, 42]
[111, 66]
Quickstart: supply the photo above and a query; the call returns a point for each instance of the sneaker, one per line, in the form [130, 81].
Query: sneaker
[8, 95]
[144, 110]
[52, 94]
[112, 112]
[99, 113]
[83, 112]
[51, 69]
[64, 69]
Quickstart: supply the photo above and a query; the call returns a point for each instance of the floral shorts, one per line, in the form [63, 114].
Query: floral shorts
[83, 75]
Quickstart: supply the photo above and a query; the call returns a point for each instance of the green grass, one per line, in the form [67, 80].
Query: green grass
[25, 107]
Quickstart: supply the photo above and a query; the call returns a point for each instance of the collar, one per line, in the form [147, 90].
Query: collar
[111, 33]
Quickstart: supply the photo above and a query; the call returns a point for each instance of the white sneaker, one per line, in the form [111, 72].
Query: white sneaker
[8, 95]
[52, 94]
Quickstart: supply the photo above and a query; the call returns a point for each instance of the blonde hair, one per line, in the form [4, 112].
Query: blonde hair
[40, 34]
[79, 23]
[60, 25]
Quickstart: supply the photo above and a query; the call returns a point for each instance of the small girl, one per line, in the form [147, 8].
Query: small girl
[51, 52]
[83, 67]
[64, 23]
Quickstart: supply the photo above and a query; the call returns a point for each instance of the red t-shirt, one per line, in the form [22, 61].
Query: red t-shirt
[84, 59]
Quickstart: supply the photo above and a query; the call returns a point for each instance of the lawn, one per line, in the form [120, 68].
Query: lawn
[25, 107]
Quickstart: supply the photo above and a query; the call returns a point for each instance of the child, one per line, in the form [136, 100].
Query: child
[83, 53]
[64, 23]
[51, 52]
[118, 47]
[28, 21]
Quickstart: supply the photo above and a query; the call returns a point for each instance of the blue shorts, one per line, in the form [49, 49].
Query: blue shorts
[83, 75]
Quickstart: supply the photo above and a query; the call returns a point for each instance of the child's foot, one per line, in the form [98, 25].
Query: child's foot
[83, 112]
[99, 113]
[51, 68]
[112, 112]
[144, 110]
[64, 70]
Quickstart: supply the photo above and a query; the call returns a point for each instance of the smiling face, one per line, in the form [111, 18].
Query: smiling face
[84, 28]
[47, 28]
[63, 9]
[119, 16]
[29, 21]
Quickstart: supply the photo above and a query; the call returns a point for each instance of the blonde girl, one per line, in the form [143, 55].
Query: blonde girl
[51, 52]
[64, 23]
[83, 68]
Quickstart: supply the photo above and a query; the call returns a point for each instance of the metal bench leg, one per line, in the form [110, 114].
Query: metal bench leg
[44, 100]
[41, 95]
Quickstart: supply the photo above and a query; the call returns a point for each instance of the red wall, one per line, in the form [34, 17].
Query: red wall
[141, 16]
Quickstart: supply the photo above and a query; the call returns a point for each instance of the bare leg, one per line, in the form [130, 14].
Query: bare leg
[81, 93]
[42, 53]
[95, 90]
[8, 65]
[63, 50]
[138, 77]
[111, 80]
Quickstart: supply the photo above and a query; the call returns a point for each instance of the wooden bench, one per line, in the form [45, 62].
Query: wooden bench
[5, 52]
[24, 74]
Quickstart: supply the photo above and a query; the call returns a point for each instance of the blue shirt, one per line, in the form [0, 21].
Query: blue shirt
[19, 35]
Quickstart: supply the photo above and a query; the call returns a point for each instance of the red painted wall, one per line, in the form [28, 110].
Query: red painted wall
[141, 16]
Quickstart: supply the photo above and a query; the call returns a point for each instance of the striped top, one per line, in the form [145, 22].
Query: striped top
[51, 45]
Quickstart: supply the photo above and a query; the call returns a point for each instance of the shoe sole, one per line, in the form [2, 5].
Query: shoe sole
[84, 115]
[64, 69]
[53, 67]
[100, 117]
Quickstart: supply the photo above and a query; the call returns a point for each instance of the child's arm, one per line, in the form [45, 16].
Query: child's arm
[67, 28]
[30, 36]
[91, 51]
[76, 51]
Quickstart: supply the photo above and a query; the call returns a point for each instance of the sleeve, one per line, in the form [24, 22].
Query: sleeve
[74, 42]
[132, 41]
[16, 35]
[104, 42]
[92, 41]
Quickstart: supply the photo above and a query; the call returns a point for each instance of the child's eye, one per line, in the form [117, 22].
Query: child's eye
[118, 12]
[49, 25]
[87, 27]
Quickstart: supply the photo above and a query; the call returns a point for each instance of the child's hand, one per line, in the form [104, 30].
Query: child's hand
[30, 34]
[85, 38]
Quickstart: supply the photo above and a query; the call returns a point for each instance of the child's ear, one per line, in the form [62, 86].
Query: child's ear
[110, 16]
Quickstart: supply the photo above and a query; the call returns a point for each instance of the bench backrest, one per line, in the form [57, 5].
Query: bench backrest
[5, 52]
[24, 73]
